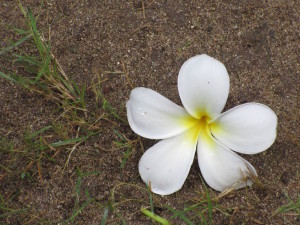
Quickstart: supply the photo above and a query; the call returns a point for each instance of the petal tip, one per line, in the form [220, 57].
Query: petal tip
[203, 85]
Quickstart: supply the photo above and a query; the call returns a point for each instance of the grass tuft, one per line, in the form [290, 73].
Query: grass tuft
[292, 206]
[42, 73]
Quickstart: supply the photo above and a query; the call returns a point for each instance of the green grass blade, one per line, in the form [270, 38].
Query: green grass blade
[68, 86]
[21, 7]
[27, 59]
[35, 33]
[126, 156]
[82, 207]
[12, 213]
[69, 141]
[209, 203]
[45, 66]
[112, 111]
[16, 44]
[119, 135]
[180, 215]
[203, 220]
[155, 217]
[8, 77]
[36, 133]
[104, 218]
[151, 200]
[121, 218]
[290, 206]
[21, 32]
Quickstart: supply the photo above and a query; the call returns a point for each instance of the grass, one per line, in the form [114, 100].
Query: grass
[124, 143]
[200, 212]
[151, 214]
[35, 148]
[41, 73]
[292, 208]
[6, 211]
[78, 208]
[105, 105]
[196, 211]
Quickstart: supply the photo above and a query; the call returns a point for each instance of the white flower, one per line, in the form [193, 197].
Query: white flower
[203, 85]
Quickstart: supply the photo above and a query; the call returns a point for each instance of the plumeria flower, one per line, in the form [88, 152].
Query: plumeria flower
[203, 86]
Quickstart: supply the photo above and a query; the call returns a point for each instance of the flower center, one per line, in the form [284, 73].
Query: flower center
[205, 132]
[204, 128]
[203, 122]
[201, 128]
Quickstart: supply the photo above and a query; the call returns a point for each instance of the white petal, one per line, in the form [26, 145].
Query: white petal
[249, 128]
[166, 165]
[222, 168]
[203, 85]
[153, 116]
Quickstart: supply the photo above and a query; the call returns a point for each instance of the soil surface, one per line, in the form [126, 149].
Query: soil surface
[144, 43]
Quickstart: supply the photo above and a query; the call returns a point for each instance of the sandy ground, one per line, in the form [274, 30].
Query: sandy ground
[258, 41]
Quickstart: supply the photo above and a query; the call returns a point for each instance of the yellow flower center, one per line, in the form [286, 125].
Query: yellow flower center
[200, 127]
